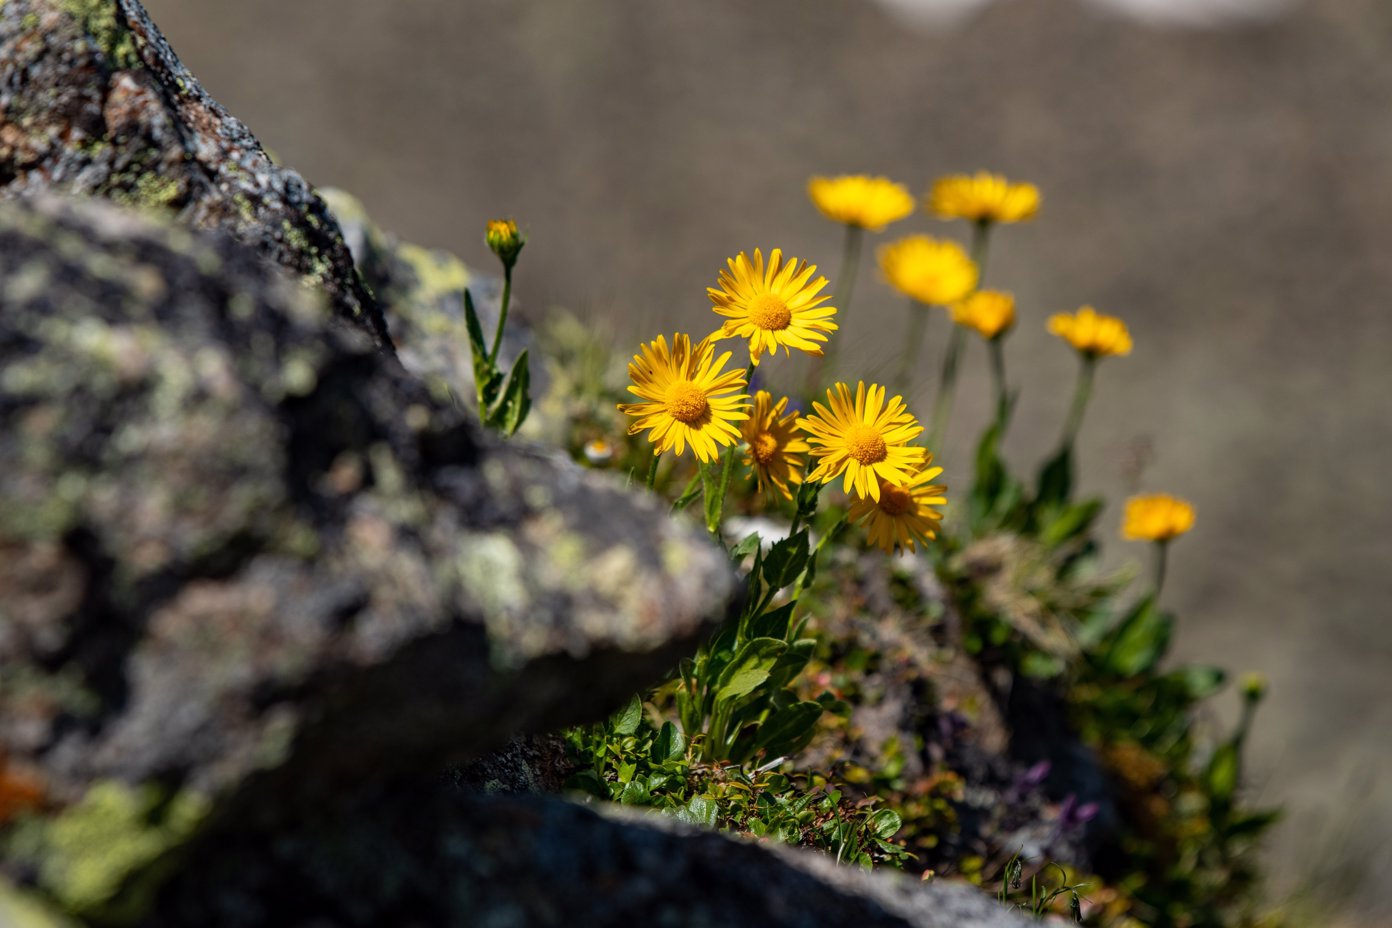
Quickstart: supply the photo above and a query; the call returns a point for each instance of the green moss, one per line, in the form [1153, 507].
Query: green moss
[100, 859]
[29, 23]
[100, 20]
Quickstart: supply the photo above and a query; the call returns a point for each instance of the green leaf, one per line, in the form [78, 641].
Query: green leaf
[1069, 522]
[485, 377]
[749, 668]
[1056, 478]
[990, 472]
[1141, 640]
[1252, 824]
[1221, 775]
[1040, 666]
[789, 730]
[701, 810]
[635, 794]
[625, 721]
[746, 547]
[710, 488]
[512, 407]
[1199, 682]
[886, 823]
[785, 560]
[670, 745]
[774, 623]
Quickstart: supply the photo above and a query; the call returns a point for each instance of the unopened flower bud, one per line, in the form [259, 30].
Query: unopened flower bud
[505, 240]
[1254, 686]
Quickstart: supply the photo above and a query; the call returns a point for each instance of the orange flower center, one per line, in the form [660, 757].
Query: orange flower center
[866, 444]
[686, 402]
[895, 500]
[764, 447]
[769, 312]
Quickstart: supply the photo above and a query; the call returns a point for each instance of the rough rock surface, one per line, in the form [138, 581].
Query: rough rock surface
[260, 583]
[93, 101]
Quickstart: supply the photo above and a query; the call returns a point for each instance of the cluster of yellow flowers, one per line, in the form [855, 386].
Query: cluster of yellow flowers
[862, 436]
[689, 399]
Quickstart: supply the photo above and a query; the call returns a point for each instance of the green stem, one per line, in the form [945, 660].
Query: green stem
[1080, 401]
[919, 316]
[997, 347]
[652, 471]
[1161, 551]
[689, 494]
[845, 286]
[981, 236]
[714, 514]
[942, 404]
[502, 317]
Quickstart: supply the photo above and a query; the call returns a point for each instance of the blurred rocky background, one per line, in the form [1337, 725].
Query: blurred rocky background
[1216, 172]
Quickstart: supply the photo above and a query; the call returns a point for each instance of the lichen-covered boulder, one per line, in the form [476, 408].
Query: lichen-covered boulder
[245, 557]
[94, 102]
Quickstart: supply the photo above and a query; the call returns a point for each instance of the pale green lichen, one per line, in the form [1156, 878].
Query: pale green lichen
[101, 20]
[100, 858]
[19, 909]
[437, 274]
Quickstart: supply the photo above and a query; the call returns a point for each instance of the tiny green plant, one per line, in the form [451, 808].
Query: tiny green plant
[504, 400]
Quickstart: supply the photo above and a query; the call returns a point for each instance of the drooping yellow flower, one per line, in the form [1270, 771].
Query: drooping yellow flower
[983, 197]
[774, 304]
[904, 513]
[1158, 517]
[1092, 333]
[775, 448]
[860, 200]
[863, 438]
[690, 400]
[929, 270]
[990, 312]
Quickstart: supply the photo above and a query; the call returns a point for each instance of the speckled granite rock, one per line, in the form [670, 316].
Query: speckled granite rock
[93, 101]
[246, 558]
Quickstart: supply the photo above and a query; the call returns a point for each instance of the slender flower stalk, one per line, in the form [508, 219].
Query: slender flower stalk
[652, 470]
[947, 383]
[506, 241]
[716, 510]
[913, 345]
[1161, 550]
[1081, 394]
[845, 287]
[997, 348]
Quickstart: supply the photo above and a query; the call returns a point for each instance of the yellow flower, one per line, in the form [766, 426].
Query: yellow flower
[860, 200]
[775, 448]
[927, 269]
[1158, 517]
[904, 514]
[990, 312]
[504, 240]
[688, 397]
[772, 305]
[984, 197]
[864, 439]
[1092, 333]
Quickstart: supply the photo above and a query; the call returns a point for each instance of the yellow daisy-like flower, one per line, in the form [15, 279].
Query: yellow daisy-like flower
[929, 270]
[990, 312]
[1158, 517]
[860, 200]
[904, 513]
[775, 448]
[1092, 333]
[690, 400]
[863, 438]
[984, 197]
[774, 304]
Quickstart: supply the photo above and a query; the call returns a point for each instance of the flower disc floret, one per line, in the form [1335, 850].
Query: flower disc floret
[933, 271]
[688, 398]
[861, 200]
[983, 197]
[903, 516]
[989, 312]
[863, 439]
[776, 450]
[1092, 333]
[1157, 517]
[772, 305]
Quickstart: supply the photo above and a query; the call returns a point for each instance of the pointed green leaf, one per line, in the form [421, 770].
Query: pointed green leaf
[484, 376]
[625, 721]
[670, 745]
[1222, 773]
[749, 668]
[1141, 640]
[785, 560]
[774, 623]
[1069, 522]
[1056, 479]
[789, 730]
